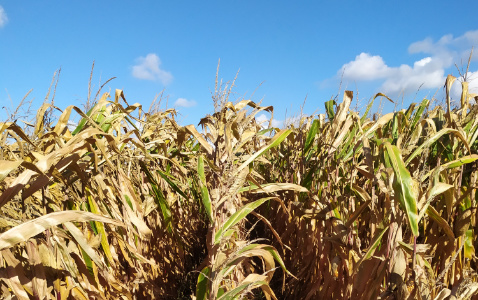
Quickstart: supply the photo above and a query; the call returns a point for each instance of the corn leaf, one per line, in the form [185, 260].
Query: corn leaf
[436, 190]
[468, 248]
[432, 213]
[309, 141]
[329, 108]
[25, 231]
[418, 114]
[433, 139]
[206, 200]
[452, 164]
[8, 166]
[276, 140]
[202, 290]
[250, 282]
[237, 217]
[404, 186]
[368, 254]
[273, 187]
[158, 196]
[192, 130]
[101, 229]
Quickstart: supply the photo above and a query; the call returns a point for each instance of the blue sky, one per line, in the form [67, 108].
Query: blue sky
[285, 50]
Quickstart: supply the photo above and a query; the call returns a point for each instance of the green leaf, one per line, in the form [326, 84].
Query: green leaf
[395, 127]
[158, 196]
[88, 251]
[418, 114]
[329, 107]
[128, 200]
[307, 181]
[171, 183]
[100, 227]
[468, 248]
[275, 141]
[409, 110]
[258, 250]
[252, 281]
[311, 135]
[347, 147]
[404, 186]
[221, 292]
[371, 249]
[436, 190]
[375, 244]
[433, 139]
[206, 200]
[83, 121]
[452, 164]
[108, 121]
[202, 287]
[365, 114]
[277, 257]
[237, 217]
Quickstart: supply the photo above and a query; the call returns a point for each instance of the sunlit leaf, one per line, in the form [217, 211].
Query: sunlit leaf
[25, 231]
[237, 217]
[276, 140]
[404, 186]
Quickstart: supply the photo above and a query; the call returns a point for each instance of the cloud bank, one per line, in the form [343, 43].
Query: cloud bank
[148, 68]
[428, 72]
[182, 102]
[3, 17]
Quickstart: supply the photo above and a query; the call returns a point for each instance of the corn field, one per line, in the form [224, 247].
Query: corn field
[127, 204]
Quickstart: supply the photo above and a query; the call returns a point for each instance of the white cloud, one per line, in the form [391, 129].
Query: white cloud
[148, 68]
[3, 17]
[427, 73]
[182, 102]
[276, 123]
[473, 82]
[365, 67]
[71, 125]
[472, 78]
[263, 120]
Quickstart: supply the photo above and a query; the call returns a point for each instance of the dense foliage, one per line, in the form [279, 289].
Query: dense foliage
[127, 204]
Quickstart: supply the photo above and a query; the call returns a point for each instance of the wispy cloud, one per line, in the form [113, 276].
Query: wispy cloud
[182, 102]
[428, 72]
[148, 68]
[3, 17]
[448, 48]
